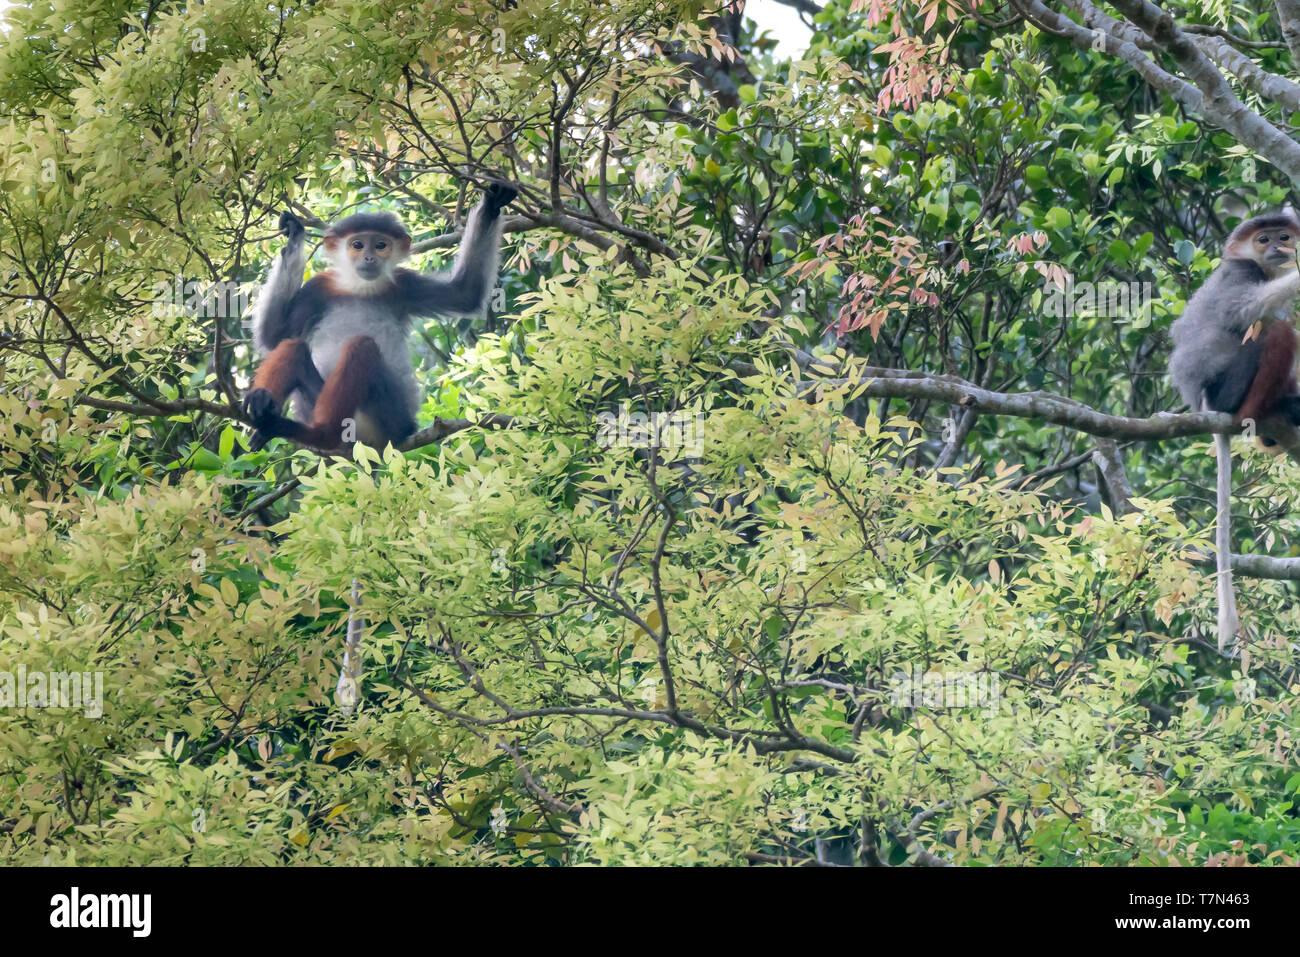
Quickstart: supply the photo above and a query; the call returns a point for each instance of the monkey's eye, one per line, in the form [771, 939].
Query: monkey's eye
[381, 245]
[1262, 239]
[358, 244]
[1285, 237]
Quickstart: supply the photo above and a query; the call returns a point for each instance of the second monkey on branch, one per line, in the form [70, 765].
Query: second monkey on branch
[338, 344]
[1235, 351]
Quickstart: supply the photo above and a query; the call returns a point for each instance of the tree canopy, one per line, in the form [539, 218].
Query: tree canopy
[811, 492]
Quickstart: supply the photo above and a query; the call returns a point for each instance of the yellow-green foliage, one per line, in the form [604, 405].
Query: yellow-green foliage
[578, 646]
[524, 590]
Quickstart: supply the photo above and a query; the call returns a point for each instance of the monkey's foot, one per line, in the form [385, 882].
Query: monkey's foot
[498, 196]
[262, 409]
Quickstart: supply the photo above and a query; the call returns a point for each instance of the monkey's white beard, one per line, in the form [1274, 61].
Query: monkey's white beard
[345, 278]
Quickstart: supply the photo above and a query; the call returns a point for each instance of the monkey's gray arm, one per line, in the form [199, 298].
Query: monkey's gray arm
[1208, 339]
[464, 288]
[271, 311]
[1273, 298]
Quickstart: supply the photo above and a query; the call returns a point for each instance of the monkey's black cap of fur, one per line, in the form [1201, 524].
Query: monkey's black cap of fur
[1284, 217]
[385, 223]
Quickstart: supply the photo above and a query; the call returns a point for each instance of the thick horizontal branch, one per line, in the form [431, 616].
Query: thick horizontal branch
[510, 224]
[437, 430]
[1268, 85]
[1046, 406]
[1117, 39]
[1049, 407]
[162, 407]
[1221, 105]
[1095, 19]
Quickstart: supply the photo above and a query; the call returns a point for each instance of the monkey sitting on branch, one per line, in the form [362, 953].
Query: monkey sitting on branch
[338, 344]
[1235, 351]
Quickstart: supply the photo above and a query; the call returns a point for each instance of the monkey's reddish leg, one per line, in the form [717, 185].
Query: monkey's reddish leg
[284, 369]
[360, 365]
[1275, 377]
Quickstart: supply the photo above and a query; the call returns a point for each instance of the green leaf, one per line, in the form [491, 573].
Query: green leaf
[226, 444]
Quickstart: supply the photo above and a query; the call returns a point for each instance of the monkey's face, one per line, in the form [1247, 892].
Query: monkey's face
[371, 254]
[1274, 249]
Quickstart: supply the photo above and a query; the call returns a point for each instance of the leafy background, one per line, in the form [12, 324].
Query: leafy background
[580, 650]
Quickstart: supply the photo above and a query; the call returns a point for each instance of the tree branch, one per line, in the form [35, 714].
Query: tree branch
[1207, 95]
[1268, 85]
[1221, 105]
[1111, 466]
[1288, 15]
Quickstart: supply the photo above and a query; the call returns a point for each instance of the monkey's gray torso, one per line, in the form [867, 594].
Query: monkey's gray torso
[343, 318]
[1208, 336]
[361, 317]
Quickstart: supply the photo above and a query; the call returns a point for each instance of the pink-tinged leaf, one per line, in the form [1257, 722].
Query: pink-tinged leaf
[1054, 273]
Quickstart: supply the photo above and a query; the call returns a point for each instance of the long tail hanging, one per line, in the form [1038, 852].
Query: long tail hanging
[1229, 623]
[348, 692]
